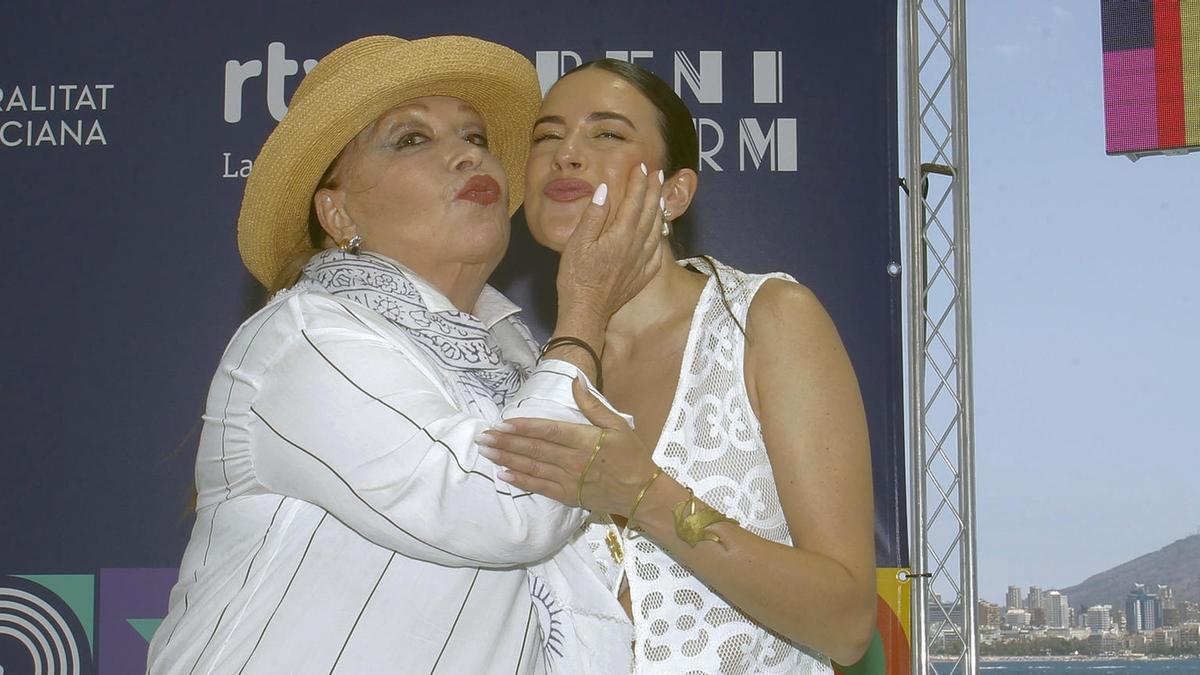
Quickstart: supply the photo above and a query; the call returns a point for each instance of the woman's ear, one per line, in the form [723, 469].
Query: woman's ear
[678, 191]
[330, 207]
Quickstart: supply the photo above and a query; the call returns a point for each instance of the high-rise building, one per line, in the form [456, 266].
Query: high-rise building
[989, 613]
[1143, 611]
[1165, 597]
[1098, 617]
[1058, 611]
[1013, 599]
[1034, 599]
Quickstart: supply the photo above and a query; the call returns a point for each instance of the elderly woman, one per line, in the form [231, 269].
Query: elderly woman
[741, 532]
[345, 521]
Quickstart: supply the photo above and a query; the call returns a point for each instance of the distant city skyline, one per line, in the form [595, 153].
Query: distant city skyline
[1086, 311]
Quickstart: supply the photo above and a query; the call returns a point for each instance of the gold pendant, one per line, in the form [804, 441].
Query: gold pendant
[614, 546]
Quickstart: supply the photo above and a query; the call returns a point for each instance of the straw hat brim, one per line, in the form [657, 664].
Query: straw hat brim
[349, 89]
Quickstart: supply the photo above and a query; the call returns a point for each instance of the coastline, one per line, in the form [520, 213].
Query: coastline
[1071, 657]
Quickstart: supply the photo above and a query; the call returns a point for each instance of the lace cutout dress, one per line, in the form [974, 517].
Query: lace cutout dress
[711, 442]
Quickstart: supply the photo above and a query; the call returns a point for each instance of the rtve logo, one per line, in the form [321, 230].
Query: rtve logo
[279, 68]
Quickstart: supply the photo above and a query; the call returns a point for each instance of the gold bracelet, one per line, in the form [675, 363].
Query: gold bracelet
[692, 528]
[637, 502]
[588, 467]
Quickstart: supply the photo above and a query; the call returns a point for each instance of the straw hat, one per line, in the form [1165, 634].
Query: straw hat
[349, 89]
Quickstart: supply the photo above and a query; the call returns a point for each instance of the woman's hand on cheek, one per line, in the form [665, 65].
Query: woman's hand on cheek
[549, 457]
[613, 254]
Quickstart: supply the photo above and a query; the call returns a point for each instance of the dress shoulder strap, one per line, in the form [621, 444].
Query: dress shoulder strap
[735, 289]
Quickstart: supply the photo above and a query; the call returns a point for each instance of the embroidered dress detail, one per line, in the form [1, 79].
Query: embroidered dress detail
[455, 339]
[711, 442]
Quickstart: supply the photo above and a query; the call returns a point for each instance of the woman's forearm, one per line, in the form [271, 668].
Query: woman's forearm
[807, 597]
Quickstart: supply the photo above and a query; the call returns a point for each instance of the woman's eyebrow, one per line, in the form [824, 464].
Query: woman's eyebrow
[549, 119]
[592, 117]
[609, 115]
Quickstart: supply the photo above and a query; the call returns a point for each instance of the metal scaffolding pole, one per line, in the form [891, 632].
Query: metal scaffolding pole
[941, 433]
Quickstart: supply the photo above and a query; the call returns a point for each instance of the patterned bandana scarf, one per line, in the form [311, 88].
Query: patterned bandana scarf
[456, 340]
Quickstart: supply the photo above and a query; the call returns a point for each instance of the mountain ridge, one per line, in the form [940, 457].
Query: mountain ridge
[1176, 565]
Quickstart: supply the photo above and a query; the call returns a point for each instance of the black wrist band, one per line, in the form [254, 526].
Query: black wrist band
[570, 340]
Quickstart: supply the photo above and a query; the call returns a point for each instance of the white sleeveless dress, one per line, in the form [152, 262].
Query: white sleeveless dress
[711, 442]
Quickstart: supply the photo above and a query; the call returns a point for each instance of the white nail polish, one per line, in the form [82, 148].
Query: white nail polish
[601, 195]
[643, 167]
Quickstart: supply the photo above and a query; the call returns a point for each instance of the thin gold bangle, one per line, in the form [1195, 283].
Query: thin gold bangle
[588, 467]
[637, 502]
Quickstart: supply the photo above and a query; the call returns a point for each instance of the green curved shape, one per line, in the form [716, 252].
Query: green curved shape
[78, 591]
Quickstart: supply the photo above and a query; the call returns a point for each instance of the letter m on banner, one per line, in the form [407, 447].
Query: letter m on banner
[777, 144]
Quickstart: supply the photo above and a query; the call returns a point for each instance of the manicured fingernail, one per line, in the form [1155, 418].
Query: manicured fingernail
[485, 439]
[661, 178]
[643, 167]
[601, 195]
[504, 427]
[506, 475]
[490, 453]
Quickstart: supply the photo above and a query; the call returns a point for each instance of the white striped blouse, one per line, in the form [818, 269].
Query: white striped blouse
[345, 522]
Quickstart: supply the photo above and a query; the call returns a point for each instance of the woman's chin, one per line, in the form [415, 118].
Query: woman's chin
[553, 237]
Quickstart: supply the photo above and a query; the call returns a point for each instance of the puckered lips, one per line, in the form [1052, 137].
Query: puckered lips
[481, 189]
[568, 189]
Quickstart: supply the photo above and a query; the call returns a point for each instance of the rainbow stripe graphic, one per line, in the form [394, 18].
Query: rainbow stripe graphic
[1151, 75]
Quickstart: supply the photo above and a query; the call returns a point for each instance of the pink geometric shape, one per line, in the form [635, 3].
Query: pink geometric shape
[1130, 100]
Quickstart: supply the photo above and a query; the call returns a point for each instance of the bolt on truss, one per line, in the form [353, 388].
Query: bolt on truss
[941, 434]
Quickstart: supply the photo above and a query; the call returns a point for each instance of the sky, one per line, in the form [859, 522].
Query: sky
[1086, 311]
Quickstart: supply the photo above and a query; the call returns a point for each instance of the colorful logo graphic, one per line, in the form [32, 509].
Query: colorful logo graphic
[46, 624]
[52, 624]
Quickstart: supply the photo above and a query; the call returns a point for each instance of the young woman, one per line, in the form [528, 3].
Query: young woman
[741, 536]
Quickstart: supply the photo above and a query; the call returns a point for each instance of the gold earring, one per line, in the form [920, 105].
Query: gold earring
[350, 245]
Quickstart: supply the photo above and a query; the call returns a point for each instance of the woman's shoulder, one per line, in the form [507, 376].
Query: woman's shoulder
[779, 297]
[787, 320]
[311, 307]
[296, 313]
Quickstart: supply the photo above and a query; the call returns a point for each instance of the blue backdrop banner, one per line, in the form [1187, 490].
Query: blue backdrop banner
[127, 131]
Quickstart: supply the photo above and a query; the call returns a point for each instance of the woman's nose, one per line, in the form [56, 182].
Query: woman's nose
[469, 157]
[567, 155]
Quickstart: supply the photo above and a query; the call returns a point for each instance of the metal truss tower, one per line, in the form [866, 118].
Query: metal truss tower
[940, 414]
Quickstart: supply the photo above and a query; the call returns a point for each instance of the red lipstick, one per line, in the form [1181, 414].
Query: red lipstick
[480, 189]
[568, 189]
